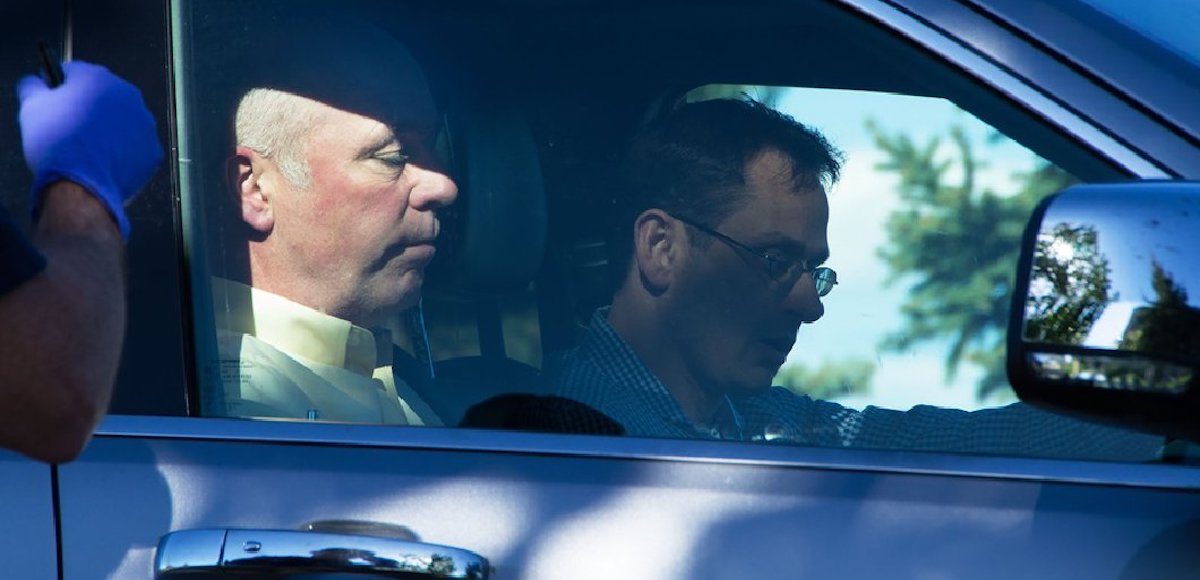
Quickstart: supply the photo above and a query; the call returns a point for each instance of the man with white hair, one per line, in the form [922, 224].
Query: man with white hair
[337, 194]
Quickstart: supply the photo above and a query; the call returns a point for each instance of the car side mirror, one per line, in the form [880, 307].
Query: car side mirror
[1105, 321]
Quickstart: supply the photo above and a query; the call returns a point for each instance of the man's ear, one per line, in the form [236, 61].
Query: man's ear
[658, 243]
[243, 176]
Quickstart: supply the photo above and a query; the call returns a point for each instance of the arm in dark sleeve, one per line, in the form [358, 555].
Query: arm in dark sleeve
[61, 330]
[1015, 429]
[91, 145]
[19, 260]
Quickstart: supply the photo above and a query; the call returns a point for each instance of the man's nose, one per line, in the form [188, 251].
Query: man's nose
[433, 189]
[803, 301]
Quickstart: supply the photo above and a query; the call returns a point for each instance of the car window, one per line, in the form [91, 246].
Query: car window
[925, 224]
[390, 222]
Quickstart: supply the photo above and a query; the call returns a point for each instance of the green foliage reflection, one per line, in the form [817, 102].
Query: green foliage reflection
[1069, 285]
[1168, 326]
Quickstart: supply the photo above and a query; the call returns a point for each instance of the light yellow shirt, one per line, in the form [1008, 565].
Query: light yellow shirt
[284, 360]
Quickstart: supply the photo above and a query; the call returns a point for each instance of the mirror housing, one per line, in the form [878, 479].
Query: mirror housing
[1105, 320]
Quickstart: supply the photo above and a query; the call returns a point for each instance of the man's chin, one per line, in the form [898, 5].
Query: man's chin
[398, 295]
[411, 295]
[753, 381]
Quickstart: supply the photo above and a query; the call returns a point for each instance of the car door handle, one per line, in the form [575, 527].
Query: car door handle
[188, 553]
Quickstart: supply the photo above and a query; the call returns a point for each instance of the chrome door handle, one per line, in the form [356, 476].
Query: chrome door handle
[187, 553]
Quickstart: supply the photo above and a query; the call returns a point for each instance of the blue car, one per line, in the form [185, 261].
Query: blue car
[994, 417]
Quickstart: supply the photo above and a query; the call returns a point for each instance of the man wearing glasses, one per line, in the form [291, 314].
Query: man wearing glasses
[718, 254]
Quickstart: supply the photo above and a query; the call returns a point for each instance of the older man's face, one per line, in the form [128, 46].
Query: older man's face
[363, 231]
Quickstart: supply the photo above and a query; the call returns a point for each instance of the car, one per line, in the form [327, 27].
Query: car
[1002, 102]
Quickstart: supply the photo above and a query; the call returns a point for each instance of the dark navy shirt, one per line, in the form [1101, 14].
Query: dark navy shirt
[606, 374]
[19, 260]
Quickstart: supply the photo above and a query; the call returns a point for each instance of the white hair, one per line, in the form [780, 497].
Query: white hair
[277, 124]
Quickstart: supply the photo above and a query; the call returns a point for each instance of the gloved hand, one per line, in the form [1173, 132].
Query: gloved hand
[93, 129]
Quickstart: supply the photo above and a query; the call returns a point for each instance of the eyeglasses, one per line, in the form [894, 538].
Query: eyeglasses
[780, 270]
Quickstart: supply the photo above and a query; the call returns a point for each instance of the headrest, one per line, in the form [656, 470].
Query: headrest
[338, 59]
[497, 228]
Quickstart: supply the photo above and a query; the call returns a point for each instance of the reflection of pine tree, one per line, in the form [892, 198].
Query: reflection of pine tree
[1068, 286]
[1168, 293]
[959, 244]
[1168, 325]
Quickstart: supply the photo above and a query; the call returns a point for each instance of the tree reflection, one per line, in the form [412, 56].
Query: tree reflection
[441, 566]
[1168, 326]
[1069, 286]
[956, 240]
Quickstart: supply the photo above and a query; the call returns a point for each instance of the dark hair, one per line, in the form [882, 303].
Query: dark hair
[691, 163]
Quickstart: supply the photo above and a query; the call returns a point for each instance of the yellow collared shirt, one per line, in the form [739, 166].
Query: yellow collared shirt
[281, 359]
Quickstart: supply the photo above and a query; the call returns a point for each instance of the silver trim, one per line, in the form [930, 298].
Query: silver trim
[1145, 475]
[986, 71]
[185, 553]
[193, 223]
[188, 551]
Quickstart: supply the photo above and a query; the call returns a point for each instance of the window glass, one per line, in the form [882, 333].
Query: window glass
[389, 223]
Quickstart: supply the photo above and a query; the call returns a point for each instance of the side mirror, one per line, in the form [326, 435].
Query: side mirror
[1105, 321]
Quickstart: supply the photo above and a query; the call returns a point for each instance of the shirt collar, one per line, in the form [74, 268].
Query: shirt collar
[297, 329]
[627, 369]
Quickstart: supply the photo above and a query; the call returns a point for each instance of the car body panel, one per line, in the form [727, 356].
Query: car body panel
[1057, 81]
[27, 518]
[1148, 74]
[548, 515]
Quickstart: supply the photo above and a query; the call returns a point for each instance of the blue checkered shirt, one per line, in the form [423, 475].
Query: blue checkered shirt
[605, 373]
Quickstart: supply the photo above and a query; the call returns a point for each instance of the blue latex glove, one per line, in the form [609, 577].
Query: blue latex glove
[93, 129]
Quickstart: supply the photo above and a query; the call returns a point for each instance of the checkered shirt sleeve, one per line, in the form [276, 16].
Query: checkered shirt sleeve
[605, 373]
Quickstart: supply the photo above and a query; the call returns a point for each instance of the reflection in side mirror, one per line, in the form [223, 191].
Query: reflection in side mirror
[1106, 311]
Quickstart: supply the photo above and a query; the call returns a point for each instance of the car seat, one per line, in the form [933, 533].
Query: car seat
[493, 243]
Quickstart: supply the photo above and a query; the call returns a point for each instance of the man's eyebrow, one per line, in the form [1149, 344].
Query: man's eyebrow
[410, 134]
[794, 248]
[383, 141]
[779, 241]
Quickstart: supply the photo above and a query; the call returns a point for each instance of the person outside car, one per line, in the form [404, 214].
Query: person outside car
[91, 144]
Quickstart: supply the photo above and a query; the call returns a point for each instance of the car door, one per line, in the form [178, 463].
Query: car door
[29, 524]
[541, 505]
